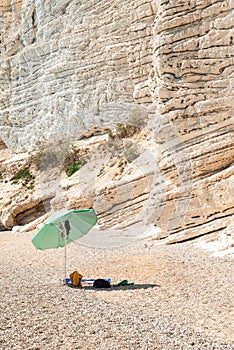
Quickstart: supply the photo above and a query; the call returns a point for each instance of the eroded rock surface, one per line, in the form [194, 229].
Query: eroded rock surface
[69, 66]
[193, 76]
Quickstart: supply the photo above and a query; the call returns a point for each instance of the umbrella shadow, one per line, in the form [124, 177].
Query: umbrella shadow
[118, 288]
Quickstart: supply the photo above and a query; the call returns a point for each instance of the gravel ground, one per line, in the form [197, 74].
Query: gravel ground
[182, 297]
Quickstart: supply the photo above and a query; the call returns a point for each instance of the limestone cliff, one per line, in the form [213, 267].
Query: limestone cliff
[69, 66]
[193, 87]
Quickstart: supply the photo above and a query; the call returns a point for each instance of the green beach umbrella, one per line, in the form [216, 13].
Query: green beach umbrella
[62, 229]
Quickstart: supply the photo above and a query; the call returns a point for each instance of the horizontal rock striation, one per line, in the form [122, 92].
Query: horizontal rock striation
[69, 66]
[193, 77]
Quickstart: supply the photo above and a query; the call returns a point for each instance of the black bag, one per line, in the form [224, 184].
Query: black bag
[101, 283]
[67, 227]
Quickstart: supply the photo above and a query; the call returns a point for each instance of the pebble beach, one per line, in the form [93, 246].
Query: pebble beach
[182, 297]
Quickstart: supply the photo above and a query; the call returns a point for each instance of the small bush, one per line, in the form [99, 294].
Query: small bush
[24, 175]
[72, 161]
[110, 134]
[122, 163]
[47, 158]
[126, 130]
[75, 167]
[66, 158]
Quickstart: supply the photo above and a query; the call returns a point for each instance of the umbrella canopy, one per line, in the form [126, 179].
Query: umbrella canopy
[60, 230]
[64, 229]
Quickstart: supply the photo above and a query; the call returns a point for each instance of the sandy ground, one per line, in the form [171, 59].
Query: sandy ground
[182, 297]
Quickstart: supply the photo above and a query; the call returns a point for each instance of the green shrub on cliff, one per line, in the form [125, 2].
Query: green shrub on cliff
[72, 161]
[23, 175]
[74, 167]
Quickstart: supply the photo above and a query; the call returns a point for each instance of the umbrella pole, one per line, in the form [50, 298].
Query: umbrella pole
[65, 260]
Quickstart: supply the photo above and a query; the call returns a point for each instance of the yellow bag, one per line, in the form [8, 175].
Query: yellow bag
[76, 278]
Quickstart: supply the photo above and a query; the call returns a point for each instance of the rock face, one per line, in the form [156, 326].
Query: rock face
[71, 65]
[68, 66]
[2, 144]
[193, 76]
